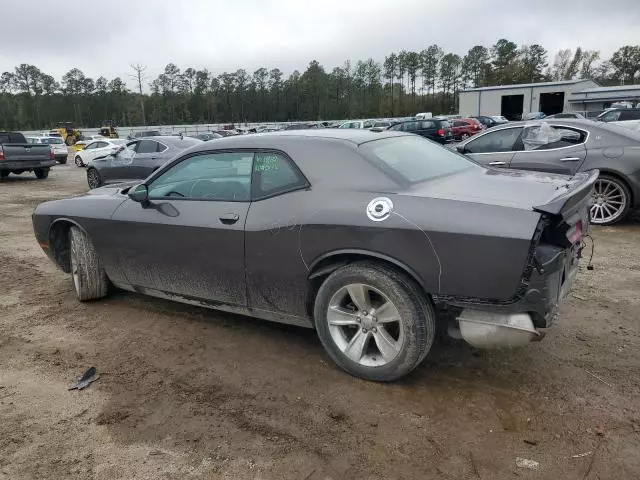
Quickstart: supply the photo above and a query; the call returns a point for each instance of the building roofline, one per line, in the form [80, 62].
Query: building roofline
[529, 85]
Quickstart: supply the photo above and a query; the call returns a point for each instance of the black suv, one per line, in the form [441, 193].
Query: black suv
[432, 128]
[619, 115]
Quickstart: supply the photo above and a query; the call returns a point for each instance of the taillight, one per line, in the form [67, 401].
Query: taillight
[441, 132]
[574, 234]
[1, 153]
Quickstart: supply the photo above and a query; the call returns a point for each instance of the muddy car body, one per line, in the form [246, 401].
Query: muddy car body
[355, 233]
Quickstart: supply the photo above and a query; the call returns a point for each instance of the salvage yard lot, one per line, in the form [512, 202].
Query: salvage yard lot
[186, 392]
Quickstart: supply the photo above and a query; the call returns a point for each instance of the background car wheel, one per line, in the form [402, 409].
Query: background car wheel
[611, 200]
[41, 172]
[90, 282]
[4, 173]
[373, 321]
[93, 178]
[62, 161]
[78, 161]
[465, 136]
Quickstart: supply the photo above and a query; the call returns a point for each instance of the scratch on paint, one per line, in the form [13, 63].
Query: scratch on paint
[302, 223]
[430, 243]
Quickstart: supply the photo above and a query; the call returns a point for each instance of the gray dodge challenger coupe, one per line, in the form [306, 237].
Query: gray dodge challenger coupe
[354, 233]
[567, 146]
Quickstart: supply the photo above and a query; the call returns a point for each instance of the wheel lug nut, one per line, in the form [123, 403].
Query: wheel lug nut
[364, 330]
[374, 319]
[358, 319]
[374, 329]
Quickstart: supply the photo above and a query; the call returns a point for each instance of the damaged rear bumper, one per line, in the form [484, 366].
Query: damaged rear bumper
[513, 323]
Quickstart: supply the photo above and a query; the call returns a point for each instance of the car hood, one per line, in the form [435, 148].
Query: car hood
[508, 188]
[113, 189]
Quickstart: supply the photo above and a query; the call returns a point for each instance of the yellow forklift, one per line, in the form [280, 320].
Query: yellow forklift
[108, 130]
[69, 133]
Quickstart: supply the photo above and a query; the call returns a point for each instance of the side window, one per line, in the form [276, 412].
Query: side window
[147, 146]
[397, 127]
[630, 115]
[224, 177]
[367, 125]
[91, 146]
[273, 173]
[410, 127]
[101, 144]
[612, 116]
[160, 147]
[496, 141]
[458, 123]
[427, 124]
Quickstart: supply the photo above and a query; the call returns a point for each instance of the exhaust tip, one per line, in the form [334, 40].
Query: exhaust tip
[483, 329]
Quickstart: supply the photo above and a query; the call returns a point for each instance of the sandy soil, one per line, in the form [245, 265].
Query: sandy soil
[189, 393]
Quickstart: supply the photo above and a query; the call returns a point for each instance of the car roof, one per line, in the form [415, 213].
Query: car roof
[352, 136]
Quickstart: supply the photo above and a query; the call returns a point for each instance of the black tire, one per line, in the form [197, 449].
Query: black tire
[4, 173]
[89, 280]
[93, 178]
[41, 173]
[78, 161]
[62, 160]
[627, 200]
[418, 320]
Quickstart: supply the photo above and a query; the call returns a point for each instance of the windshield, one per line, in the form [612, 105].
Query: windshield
[413, 159]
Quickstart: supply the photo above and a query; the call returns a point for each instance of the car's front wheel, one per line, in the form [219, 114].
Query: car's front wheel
[78, 161]
[93, 178]
[611, 200]
[90, 281]
[374, 322]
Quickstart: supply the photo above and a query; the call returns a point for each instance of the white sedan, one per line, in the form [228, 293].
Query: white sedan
[98, 148]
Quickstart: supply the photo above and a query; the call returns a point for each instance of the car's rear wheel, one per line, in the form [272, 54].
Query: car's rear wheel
[62, 160]
[93, 178]
[374, 322]
[611, 200]
[78, 161]
[41, 172]
[4, 173]
[90, 282]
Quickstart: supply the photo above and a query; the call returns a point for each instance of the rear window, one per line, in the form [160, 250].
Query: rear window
[12, 137]
[413, 159]
[52, 141]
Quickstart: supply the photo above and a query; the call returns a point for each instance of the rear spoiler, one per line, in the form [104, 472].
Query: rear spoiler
[572, 196]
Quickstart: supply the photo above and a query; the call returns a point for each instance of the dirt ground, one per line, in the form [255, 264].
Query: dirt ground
[189, 393]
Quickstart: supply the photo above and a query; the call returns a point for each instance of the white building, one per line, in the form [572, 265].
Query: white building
[599, 98]
[512, 101]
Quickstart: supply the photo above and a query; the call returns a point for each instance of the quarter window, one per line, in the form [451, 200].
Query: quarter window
[224, 176]
[273, 173]
[497, 141]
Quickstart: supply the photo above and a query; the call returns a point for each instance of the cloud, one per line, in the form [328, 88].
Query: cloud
[105, 38]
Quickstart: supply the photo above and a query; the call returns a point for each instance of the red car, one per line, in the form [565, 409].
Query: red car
[463, 128]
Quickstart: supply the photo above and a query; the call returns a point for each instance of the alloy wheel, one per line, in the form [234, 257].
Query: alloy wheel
[365, 325]
[93, 178]
[609, 201]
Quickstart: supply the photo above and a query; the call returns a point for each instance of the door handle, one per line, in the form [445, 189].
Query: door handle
[570, 159]
[497, 164]
[229, 218]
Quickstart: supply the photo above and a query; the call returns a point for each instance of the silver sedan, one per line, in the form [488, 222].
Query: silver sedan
[568, 146]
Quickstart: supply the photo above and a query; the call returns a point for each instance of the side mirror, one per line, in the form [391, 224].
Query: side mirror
[461, 148]
[139, 193]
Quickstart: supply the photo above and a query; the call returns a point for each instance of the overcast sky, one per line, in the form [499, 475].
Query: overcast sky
[105, 37]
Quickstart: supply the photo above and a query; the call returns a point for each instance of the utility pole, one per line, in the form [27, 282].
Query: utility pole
[139, 76]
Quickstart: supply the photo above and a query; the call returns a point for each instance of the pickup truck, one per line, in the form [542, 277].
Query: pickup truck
[17, 156]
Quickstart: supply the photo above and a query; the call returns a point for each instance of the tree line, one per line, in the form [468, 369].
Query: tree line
[404, 83]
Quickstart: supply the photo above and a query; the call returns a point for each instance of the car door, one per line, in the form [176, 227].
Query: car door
[145, 160]
[97, 149]
[553, 149]
[120, 163]
[494, 148]
[189, 240]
